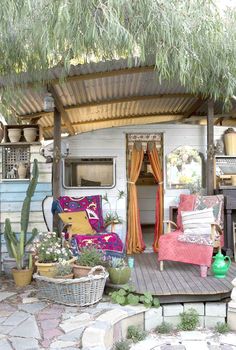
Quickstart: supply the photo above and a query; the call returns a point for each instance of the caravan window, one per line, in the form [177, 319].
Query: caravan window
[89, 172]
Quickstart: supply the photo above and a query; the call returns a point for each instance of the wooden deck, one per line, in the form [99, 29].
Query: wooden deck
[179, 282]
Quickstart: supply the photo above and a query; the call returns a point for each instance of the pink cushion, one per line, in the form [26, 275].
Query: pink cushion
[187, 203]
[170, 248]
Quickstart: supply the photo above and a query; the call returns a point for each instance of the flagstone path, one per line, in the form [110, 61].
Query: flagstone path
[27, 323]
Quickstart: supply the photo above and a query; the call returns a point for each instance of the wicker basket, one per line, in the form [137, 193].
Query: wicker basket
[81, 291]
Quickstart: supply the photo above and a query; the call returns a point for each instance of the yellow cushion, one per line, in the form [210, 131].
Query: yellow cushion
[80, 223]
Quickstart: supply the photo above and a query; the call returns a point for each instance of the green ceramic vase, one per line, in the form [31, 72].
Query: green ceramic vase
[119, 275]
[221, 265]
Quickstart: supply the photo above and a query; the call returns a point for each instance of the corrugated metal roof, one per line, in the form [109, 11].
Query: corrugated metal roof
[93, 92]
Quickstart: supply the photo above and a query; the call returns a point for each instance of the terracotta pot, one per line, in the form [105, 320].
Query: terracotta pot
[10, 263]
[82, 271]
[22, 277]
[14, 135]
[22, 170]
[30, 134]
[119, 275]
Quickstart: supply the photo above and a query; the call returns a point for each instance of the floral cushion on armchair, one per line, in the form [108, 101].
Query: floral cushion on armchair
[215, 202]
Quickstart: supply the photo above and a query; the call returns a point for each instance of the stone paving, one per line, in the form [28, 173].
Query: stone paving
[27, 323]
[195, 340]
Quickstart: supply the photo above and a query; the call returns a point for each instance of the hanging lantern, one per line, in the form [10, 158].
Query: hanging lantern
[48, 103]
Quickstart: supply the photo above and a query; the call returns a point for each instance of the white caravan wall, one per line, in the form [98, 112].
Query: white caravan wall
[112, 142]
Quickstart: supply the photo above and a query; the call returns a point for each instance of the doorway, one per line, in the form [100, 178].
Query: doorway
[146, 185]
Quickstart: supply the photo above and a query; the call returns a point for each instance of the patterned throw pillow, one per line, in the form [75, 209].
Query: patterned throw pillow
[79, 221]
[198, 222]
[215, 202]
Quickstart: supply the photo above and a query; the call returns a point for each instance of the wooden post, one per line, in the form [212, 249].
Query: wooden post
[210, 148]
[56, 180]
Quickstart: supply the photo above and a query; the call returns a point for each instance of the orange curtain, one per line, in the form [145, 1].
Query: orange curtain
[157, 172]
[134, 241]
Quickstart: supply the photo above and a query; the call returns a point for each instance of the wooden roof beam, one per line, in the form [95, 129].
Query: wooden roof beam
[129, 99]
[59, 106]
[114, 101]
[171, 114]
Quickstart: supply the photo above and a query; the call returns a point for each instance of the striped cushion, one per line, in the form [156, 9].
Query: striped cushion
[198, 221]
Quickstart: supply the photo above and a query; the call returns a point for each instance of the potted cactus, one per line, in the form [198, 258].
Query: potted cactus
[17, 243]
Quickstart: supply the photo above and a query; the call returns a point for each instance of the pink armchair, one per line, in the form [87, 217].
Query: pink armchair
[193, 249]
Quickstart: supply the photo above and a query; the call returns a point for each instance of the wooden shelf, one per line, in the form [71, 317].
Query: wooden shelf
[22, 138]
[19, 143]
[15, 180]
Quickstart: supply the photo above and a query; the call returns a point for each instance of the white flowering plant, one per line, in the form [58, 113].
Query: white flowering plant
[63, 267]
[50, 248]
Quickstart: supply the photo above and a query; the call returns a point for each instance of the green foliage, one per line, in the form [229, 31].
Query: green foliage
[135, 334]
[125, 296]
[122, 345]
[189, 320]
[25, 211]
[164, 328]
[193, 42]
[91, 256]
[16, 243]
[30, 261]
[112, 216]
[222, 327]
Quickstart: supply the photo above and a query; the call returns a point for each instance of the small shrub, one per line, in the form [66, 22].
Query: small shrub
[135, 334]
[164, 328]
[122, 345]
[222, 327]
[189, 320]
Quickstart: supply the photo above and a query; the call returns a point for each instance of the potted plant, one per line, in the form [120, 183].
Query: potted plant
[64, 269]
[112, 218]
[22, 275]
[11, 237]
[89, 257]
[119, 271]
[49, 249]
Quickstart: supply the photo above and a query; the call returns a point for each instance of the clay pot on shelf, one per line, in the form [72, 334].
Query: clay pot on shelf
[230, 142]
[22, 170]
[14, 135]
[30, 134]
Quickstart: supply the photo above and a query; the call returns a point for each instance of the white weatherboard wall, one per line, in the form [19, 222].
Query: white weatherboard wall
[12, 194]
[112, 142]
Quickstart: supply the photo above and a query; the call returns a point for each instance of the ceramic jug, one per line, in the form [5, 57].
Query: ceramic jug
[221, 265]
[22, 169]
